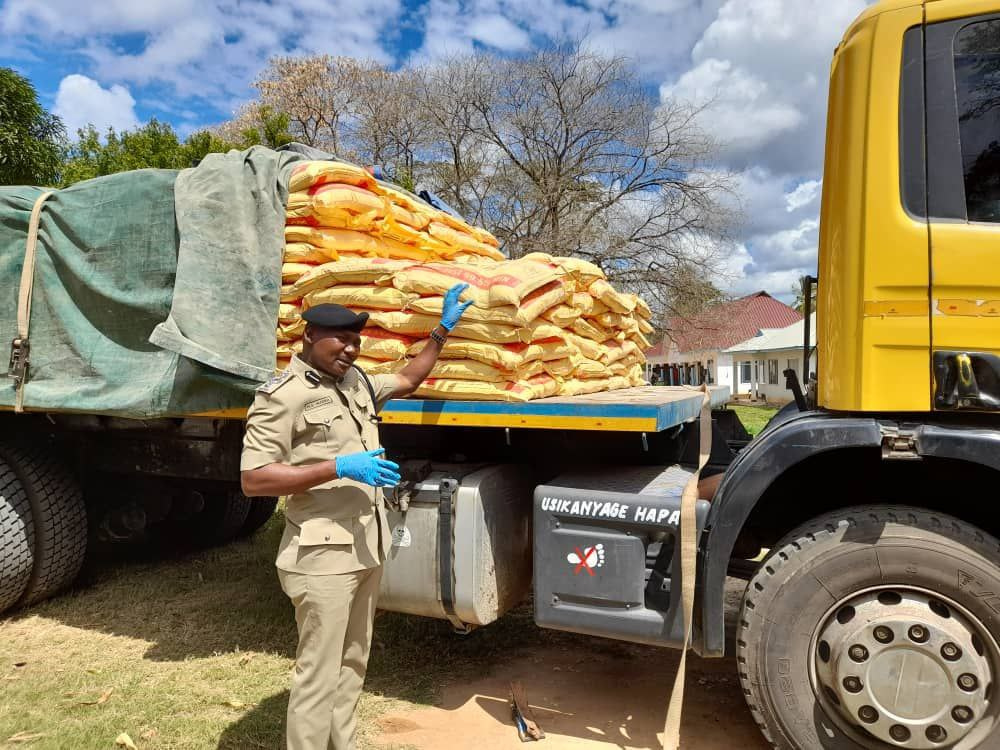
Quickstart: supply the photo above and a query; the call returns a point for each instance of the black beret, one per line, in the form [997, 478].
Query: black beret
[335, 316]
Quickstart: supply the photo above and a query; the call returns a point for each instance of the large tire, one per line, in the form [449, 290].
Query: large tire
[17, 538]
[224, 516]
[827, 638]
[58, 514]
[261, 510]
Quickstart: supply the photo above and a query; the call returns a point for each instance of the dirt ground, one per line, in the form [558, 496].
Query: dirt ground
[591, 694]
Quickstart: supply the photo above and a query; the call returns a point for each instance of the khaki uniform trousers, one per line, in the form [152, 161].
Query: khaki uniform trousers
[334, 614]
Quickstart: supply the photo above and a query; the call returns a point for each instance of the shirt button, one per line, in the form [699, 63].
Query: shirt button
[326, 539]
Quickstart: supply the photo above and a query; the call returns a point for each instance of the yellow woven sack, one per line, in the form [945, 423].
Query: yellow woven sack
[587, 305]
[583, 327]
[534, 305]
[561, 315]
[379, 367]
[346, 207]
[542, 386]
[641, 308]
[583, 272]
[613, 352]
[348, 271]
[637, 376]
[292, 272]
[542, 330]
[584, 346]
[472, 390]
[288, 348]
[303, 252]
[644, 326]
[461, 241]
[367, 296]
[577, 387]
[617, 382]
[618, 302]
[584, 368]
[291, 331]
[289, 313]
[414, 324]
[349, 242]
[546, 349]
[503, 356]
[560, 368]
[641, 340]
[504, 283]
[312, 173]
[384, 345]
[289, 293]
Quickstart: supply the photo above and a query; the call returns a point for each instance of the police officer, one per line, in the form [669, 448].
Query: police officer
[311, 435]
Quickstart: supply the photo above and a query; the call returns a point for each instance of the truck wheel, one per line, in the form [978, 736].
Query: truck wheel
[59, 517]
[17, 538]
[875, 627]
[261, 510]
[224, 516]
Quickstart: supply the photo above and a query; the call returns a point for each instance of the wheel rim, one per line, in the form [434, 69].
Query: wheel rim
[906, 667]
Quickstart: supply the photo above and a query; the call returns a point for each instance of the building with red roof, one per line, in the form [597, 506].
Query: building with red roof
[693, 349]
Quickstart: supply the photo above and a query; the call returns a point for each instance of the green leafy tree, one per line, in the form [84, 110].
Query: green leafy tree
[154, 145]
[30, 138]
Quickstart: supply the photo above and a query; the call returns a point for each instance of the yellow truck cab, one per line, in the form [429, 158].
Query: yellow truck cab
[874, 619]
[862, 517]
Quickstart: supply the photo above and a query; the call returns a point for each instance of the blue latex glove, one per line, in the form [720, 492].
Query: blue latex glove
[367, 468]
[453, 308]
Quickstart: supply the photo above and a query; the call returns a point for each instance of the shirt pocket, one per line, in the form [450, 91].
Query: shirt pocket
[322, 423]
[325, 531]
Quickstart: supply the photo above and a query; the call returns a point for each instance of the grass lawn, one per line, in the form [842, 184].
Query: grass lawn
[196, 652]
[754, 418]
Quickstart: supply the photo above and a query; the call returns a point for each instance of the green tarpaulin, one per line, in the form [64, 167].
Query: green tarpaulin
[155, 292]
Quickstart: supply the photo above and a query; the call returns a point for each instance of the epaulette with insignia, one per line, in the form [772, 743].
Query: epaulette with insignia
[275, 382]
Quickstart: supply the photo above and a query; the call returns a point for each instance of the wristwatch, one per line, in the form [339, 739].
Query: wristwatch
[436, 335]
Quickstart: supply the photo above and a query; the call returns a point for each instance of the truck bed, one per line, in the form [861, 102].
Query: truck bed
[643, 409]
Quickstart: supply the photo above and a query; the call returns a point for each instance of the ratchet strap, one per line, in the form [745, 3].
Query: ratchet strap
[689, 560]
[20, 349]
[446, 551]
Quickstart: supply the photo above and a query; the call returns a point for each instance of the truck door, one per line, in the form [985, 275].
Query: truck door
[963, 203]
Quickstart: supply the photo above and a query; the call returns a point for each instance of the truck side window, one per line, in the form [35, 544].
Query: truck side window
[977, 89]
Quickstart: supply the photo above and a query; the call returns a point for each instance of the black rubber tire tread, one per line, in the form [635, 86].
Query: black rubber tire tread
[767, 687]
[261, 510]
[224, 516]
[17, 538]
[59, 515]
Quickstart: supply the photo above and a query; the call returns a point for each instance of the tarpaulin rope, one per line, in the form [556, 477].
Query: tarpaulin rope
[20, 344]
[689, 560]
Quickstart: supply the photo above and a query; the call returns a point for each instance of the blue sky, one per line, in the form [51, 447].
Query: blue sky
[761, 63]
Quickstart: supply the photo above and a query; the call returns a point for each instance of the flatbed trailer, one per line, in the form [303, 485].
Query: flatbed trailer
[642, 409]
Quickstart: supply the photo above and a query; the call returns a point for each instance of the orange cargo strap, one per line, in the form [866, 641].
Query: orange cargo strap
[19, 347]
[689, 560]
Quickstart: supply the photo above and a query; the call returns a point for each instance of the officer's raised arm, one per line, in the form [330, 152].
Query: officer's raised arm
[416, 371]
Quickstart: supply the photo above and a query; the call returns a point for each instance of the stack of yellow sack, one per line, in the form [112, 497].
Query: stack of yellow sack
[539, 326]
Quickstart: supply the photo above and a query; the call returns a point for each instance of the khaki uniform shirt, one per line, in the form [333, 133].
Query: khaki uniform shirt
[339, 526]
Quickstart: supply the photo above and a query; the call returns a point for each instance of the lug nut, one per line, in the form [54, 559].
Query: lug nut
[961, 714]
[951, 652]
[852, 684]
[867, 714]
[858, 653]
[918, 633]
[936, 733]
[968, 682]
[899, 733]
[883, 634]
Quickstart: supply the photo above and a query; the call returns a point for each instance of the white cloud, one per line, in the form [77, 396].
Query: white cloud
[803, 195]
[208, 51]
[82, 101]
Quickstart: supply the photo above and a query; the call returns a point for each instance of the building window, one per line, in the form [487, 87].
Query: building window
[745, 372]
[772, 372]
[977, 63]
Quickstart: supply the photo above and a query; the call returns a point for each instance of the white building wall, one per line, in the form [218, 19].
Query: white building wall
[776, 392]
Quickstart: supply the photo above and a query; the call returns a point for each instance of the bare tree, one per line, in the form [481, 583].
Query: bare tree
[563, 151]
[316, 93]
